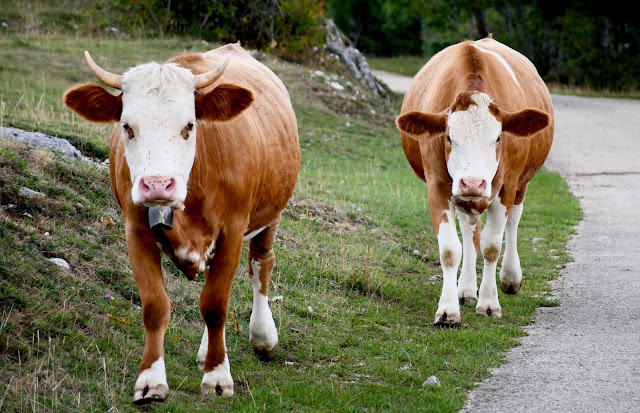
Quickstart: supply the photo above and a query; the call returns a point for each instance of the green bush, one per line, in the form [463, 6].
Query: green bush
[289, 28]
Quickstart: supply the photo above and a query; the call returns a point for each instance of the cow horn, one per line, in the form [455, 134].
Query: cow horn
[108, 78]
[211, 76]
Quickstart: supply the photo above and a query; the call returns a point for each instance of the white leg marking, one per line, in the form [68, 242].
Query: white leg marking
[511, 272]
[450, 254]
[262, 329]
[202, 351]
[250, 236]
[218, 380]
[468, 281]
[152, 383]
[490, 245]
[501, 60]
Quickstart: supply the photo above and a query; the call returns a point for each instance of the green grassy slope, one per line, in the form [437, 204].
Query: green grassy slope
[357, 261]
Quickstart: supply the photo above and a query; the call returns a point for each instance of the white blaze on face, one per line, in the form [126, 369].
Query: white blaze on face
[158, 104]
[473, 133]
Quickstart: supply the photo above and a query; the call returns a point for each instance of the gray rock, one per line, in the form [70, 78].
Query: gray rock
[357, 64]
[41, 140]
[60, 262]
[431, 381]
[30, 193]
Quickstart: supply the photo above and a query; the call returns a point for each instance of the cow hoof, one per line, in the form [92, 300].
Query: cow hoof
[224, 391]
[510, 287]
[491, 311]
[156, 393]
[447, 320]
[264, 354]
[468, 299]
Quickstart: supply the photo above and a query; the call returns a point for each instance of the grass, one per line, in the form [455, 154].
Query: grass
[357, 261]
[402, 65]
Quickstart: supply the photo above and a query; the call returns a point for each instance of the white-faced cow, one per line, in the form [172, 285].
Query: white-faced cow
[476, 126]
[216, 142]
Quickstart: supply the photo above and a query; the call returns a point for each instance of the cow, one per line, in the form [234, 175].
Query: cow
[476, 125]
[204, 154]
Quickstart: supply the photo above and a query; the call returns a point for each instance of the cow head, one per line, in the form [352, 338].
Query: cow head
[471, 132]
[157, 113]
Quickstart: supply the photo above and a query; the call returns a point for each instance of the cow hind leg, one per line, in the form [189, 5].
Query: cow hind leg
[511, 272]
[202, 351]
[262, 329]
[468, 282]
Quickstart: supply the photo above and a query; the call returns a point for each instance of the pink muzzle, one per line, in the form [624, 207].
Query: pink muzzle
[157, 188]
[472, 186]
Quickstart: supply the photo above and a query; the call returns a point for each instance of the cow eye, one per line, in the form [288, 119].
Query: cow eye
[498, 140]
[449, 139]
[186, 130]
[128, 130]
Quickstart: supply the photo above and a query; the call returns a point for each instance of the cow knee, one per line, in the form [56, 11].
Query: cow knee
[491, 252]
[156, 312]
[213, 316]
[450, 257]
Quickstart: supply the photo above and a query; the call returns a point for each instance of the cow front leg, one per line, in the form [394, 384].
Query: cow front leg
[448, 313]
[144, 256]
[262, 329]
[511, 272]
[470, 226]
[214, 305]
[491, 245]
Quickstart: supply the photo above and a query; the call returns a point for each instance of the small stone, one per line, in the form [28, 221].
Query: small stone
[60, 262]
[26, 214]
[336, 85]
[79, 205]
[29, 193]
[431, 381]
[46, 234]
[416, 252]
[310, 309]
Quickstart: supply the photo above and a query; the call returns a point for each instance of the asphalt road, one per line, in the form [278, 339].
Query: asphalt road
[584, 355]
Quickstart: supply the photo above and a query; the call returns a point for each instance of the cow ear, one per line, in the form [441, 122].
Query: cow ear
[524, 123]
[222, 103]
[94, 103]
[418, 123]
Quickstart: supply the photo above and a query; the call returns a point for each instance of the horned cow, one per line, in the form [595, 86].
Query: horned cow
[476, 125]
[204, 153]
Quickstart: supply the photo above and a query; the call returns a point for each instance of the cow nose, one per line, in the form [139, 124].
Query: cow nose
[472, 186]
[157, 188]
